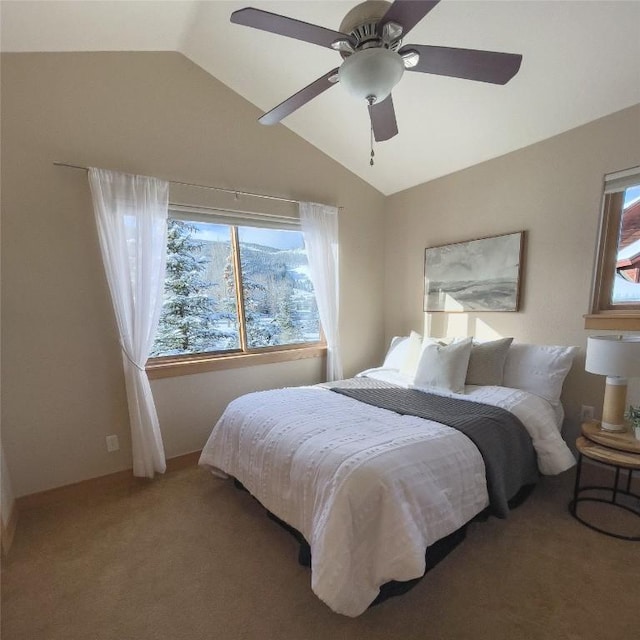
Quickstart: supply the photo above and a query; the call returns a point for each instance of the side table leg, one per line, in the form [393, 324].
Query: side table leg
[576, 486]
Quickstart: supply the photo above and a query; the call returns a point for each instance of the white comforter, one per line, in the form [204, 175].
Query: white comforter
[369, 489]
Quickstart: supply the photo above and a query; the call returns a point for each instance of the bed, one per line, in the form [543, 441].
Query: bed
[369, 483]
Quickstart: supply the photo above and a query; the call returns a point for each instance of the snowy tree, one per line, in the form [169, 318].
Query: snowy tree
[189, 312]
[286, 318]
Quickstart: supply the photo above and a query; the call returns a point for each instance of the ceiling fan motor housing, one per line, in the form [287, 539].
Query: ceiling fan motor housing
[361, 23]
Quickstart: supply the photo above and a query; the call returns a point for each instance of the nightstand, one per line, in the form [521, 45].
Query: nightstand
[619, 450]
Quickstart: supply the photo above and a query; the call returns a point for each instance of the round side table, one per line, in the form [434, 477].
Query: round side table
[616, 450]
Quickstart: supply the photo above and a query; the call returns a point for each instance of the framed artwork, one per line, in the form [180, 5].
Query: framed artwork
[477, 275]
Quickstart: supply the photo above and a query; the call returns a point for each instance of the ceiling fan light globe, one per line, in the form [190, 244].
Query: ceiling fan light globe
[371, 73]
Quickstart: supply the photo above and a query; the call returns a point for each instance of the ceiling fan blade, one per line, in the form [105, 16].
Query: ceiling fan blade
[407, 13]
[471, 64]
[383, 119]
[299, 99]
[289, 27]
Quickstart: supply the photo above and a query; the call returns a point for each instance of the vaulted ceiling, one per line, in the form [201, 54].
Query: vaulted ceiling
[580, 62]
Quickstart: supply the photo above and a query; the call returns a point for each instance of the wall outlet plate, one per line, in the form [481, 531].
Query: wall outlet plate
[587, 413]
[112, 443]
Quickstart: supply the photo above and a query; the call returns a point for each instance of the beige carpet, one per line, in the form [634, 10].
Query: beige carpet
[189, 557]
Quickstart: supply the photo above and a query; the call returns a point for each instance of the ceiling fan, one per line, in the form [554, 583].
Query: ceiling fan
[374, 57]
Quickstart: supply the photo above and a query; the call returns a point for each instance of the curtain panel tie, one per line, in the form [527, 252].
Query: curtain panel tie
[130, 359]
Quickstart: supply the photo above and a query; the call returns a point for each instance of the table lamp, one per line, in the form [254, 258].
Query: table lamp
[618, 358]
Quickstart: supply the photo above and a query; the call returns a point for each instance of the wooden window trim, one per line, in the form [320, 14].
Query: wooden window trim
[237, 276]
[604, 314]
[612, 321]
[167, 367]
[244, 356]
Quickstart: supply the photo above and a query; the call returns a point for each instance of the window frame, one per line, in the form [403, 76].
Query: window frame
[604, 314]
[187, 364]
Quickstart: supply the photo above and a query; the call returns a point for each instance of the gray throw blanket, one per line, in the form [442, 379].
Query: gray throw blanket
[503, 441]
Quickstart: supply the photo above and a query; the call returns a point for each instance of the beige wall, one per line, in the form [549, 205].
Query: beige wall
[158, 114]
[553, 191]
[155, 114]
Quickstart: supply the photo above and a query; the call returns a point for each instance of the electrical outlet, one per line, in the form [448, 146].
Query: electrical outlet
[587, 413]
[112, 443]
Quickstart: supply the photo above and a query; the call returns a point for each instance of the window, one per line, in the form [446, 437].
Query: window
[616, 295]
[233, 289]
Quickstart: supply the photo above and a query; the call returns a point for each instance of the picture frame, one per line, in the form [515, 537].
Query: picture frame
[475, 275]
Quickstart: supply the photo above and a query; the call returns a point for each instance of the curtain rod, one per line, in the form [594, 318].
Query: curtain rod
[200, 186]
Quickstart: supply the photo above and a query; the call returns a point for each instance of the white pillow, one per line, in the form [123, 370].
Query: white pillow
[396, 353]
[412, 356]
[539, 369]
[443, 366]
[403, 351]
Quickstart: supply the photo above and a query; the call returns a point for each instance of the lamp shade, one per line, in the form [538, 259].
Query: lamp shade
[371, 73]
[614, 356]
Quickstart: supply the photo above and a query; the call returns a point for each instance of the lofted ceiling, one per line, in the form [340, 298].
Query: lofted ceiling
[580, 62]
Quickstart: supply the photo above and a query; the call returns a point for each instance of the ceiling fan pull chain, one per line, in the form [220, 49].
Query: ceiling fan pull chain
[372, 152]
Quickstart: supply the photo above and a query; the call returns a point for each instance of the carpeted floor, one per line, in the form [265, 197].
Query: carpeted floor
[190, 557]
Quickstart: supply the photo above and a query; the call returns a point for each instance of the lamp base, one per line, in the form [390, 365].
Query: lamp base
[607, 426]
[615, 395]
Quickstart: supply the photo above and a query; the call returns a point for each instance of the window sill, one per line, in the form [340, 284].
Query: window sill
[613, 321]
[172, 367]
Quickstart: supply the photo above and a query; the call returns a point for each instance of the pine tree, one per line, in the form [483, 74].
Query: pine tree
[262, 330]
[189, 313]
[286, 318]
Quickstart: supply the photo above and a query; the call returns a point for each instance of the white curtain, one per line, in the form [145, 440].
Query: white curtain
[320, 229]
[131, 215]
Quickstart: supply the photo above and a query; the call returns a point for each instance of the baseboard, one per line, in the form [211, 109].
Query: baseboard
[121, 480]
[8, 532]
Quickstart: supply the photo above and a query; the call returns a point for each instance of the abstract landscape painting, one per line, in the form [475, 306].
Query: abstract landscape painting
[477, 275]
